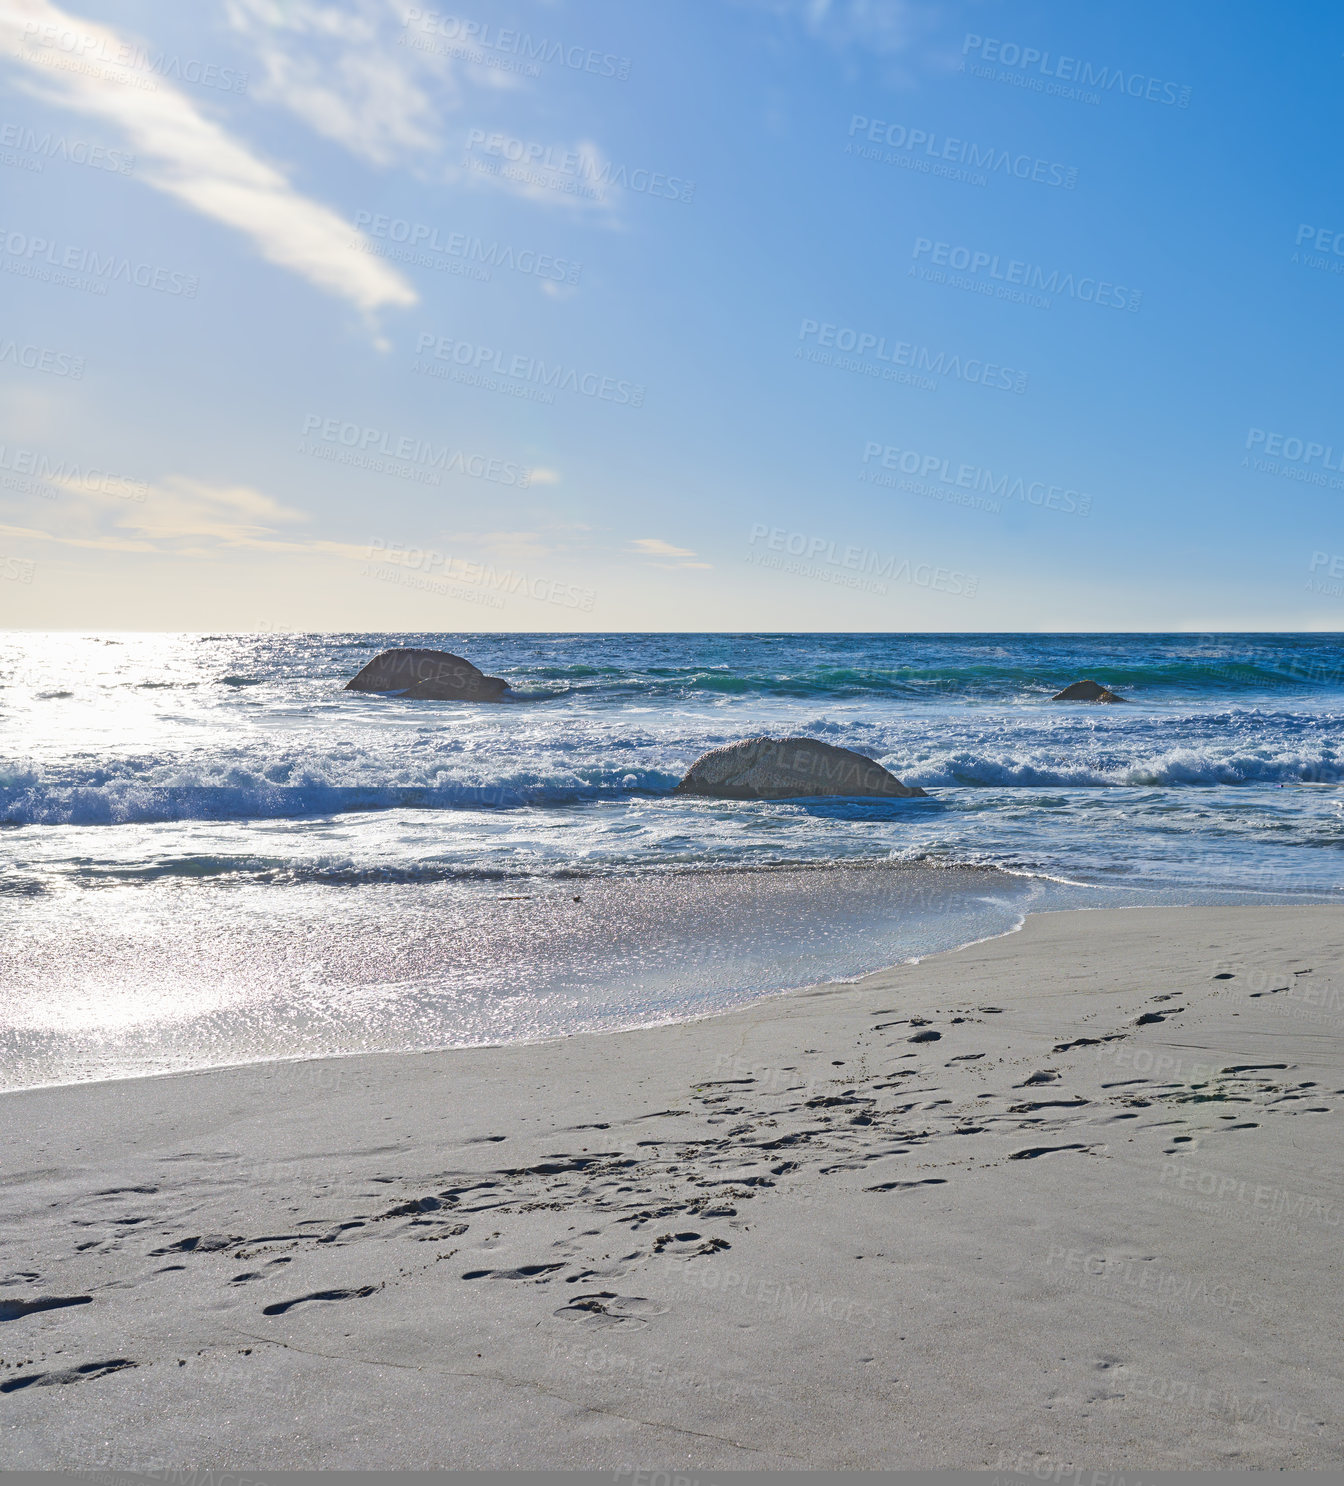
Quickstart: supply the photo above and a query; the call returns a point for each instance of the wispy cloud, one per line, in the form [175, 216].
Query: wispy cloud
[339, 69]
[193, 158]
[550, 539]
[575, 177]
[103, 543]
[882, 27]
[185, 518]
[182, 518]
[664, 555]
[349, 72]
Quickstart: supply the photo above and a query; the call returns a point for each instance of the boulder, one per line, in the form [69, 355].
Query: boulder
[788, 768]
[1086, 691]
[428, 676]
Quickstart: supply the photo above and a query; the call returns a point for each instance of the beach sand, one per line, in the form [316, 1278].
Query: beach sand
[1066, 1196]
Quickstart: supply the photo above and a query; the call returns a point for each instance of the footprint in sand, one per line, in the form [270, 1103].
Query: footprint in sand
[688, 1243]
[1064, 1047]
[79, 1374]
[537, 1272]
[11, 1310]
[209, 1243]
[280, 1307]
[606, 1308]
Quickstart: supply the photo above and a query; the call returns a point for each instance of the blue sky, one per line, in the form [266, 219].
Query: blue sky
[780, 316]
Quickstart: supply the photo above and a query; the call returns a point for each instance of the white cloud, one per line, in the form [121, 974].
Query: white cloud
[185, 518]
[191, 157]
[180, 517]
[102, 543]
[654, 549]
[358, 75]
[340, 71]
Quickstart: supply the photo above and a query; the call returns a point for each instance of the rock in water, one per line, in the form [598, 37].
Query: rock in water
[1086, 691]
[789, 768]
[428, 676]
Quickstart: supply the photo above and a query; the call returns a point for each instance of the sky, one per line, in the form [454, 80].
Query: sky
[748, 315]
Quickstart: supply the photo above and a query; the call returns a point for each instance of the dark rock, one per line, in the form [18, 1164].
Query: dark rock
[428, 676]
[789, 768]
[1086, 691]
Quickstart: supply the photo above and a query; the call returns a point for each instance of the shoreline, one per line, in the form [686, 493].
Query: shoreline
[955, 1210]
[1049, 886]
[550, 1040]
[630, 954]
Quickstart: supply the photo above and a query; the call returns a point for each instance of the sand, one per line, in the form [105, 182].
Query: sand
[1070, 1197]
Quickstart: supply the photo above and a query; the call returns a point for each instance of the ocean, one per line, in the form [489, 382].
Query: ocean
[212, 854]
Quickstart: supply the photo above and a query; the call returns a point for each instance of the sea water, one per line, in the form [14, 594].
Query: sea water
[211, 853]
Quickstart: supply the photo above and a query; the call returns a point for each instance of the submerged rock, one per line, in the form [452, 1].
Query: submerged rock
[428, 676]
[789, 768]
[1086, 691]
